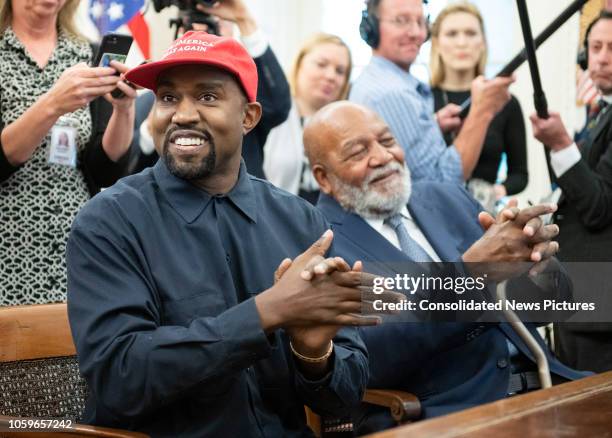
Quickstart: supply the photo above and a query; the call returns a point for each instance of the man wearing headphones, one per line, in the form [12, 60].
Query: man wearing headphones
[585, 207]
[396, 29]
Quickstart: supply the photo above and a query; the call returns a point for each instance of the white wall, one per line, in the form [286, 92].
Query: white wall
[287, 23]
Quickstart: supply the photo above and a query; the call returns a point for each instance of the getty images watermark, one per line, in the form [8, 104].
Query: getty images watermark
[455, 296]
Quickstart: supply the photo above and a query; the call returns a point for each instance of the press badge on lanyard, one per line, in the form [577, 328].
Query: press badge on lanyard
[62, 146]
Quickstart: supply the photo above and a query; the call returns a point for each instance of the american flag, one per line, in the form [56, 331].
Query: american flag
[112, 15]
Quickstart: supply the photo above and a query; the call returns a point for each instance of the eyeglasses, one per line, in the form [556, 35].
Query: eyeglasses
[404, 22]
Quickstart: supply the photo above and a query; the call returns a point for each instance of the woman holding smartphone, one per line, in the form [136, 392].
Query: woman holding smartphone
[458, 56]
[48, 92]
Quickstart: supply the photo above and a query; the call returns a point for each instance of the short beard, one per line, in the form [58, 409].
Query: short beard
[370, 203]
[190, 170]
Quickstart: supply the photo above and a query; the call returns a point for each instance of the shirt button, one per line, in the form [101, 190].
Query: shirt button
[502, 363]
[227, 257]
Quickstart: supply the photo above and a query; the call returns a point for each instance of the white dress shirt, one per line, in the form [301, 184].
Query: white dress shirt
[563, 160]
[413, 231]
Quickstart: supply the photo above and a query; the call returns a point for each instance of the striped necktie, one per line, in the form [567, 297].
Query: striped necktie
[409, 246]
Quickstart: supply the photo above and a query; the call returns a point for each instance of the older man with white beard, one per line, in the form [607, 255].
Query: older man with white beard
[379, 216]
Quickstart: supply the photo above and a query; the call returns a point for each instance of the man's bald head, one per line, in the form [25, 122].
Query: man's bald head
[325, 130]
[355, 159]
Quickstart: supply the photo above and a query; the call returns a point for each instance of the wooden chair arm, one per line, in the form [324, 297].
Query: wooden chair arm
[404, 406]
[76, 430]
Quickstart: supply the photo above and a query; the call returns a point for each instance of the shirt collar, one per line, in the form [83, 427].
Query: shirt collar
[420, 87]
[378, 224]
[189, 201]
[607, 99]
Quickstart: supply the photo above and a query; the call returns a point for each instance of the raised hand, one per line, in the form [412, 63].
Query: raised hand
[314, 338]
[448, 117]
[511, 244]
[129, 91]
[79, 85]
[551, 131]
[490, 96]
[326, 299]
[234, 11]
[508, 213]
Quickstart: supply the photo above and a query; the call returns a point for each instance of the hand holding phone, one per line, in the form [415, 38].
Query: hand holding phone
[77, 86]
[114, 47]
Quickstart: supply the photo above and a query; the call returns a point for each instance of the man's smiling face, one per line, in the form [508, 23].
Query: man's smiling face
[198, 120]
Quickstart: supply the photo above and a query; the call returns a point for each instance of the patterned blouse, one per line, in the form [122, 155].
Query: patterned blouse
[39, 200]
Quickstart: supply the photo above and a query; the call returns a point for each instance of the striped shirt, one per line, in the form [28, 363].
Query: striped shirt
[406, 105]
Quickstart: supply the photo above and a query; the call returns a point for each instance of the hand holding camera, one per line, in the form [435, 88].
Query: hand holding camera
[234, 11]
[210, 16]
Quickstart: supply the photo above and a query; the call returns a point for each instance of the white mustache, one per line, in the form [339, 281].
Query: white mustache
[392, 166]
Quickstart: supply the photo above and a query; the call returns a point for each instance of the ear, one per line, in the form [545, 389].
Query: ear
[252, 115]
[320, 173]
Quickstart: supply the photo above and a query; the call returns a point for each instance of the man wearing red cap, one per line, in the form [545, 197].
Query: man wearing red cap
[272, 89]
[179, 328]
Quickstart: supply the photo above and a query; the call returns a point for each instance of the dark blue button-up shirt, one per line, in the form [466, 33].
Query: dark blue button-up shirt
[161, 280]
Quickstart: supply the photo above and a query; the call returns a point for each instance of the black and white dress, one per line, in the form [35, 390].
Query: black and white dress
[39, 200]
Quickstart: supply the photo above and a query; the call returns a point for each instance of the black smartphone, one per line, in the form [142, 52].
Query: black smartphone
[114, 47]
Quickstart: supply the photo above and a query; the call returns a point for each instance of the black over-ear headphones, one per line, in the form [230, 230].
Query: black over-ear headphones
[369, 28]
[583, 56]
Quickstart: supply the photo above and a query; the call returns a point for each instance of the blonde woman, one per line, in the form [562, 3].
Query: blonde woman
[458, 55]
[55, 147]
[320, 75]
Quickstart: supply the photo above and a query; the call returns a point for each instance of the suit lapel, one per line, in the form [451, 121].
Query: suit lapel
[379, 249]
[429, 219]
[592, 150]
[374, 246]
[431, 222]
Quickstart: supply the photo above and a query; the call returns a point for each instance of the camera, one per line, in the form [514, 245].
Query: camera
[189, 14]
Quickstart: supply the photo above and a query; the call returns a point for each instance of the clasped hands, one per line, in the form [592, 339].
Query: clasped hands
[313, 297]
[514, 242]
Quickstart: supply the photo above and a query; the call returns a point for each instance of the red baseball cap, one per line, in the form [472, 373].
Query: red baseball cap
[196, 47]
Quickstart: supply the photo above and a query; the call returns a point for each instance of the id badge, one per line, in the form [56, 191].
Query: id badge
[62, 146]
